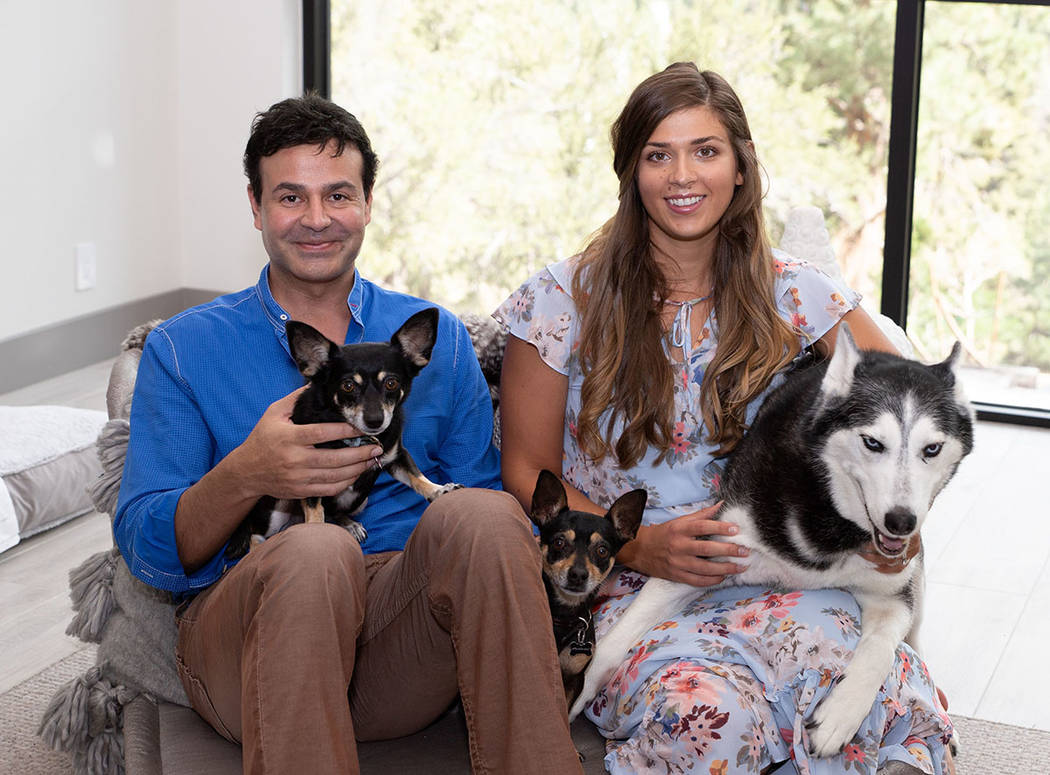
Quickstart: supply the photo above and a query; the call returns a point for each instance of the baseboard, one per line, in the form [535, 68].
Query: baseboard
[73, 344]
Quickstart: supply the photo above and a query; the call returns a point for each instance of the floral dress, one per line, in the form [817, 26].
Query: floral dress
[727, 685]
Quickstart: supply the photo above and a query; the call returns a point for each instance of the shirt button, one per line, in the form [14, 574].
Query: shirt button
[284, 317]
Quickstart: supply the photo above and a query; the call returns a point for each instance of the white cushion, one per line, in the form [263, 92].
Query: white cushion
[47, 462]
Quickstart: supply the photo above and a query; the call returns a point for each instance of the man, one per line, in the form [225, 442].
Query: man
[443, 602]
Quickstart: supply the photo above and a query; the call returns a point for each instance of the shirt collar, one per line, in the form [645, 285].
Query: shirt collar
[356, 302]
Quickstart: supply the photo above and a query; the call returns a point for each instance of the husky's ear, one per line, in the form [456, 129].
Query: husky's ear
[949, 369]
[626, 513]
[416, 337]
[548, 499]
[839, 377]
[311, 349]
[951, 363]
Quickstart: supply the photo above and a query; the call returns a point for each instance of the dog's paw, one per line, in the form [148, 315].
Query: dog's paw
[836, 720]
[439, 491]
[357, 530]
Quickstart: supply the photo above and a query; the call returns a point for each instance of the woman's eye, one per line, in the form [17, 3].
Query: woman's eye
[706, 152]
[873, 444]
[657, 156]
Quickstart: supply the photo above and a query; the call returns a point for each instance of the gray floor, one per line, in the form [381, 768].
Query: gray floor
[986, 626]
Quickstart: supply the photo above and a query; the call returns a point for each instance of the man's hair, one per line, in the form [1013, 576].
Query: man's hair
[307, 120]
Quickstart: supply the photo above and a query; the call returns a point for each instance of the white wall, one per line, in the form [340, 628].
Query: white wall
[123, 125]
[237, 57]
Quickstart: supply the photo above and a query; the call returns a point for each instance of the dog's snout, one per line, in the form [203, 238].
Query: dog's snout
[577, 576]
[373, 416]
[900, 521]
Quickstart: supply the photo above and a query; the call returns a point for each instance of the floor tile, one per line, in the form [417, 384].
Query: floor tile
[1019, 691]
[963, 634]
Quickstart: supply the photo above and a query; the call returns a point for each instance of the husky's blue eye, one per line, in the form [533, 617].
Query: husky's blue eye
[873, 444]
[932, 450]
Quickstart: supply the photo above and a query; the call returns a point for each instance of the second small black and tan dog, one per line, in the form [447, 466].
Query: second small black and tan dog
[579, 550]
[364, 385]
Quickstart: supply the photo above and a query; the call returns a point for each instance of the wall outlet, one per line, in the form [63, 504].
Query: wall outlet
[85, 264]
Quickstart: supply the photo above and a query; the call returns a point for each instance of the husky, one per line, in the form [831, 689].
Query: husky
[845, 452]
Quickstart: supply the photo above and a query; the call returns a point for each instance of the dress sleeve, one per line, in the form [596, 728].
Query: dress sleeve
[542, 313]
[809, 299]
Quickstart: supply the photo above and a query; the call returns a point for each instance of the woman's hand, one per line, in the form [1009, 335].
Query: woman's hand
[676, 550]
[885, 564]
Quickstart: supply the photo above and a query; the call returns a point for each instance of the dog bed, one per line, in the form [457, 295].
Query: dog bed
[47, 462]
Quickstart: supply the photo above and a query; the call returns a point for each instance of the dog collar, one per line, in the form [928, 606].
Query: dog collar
[581, 644]
[360, 441]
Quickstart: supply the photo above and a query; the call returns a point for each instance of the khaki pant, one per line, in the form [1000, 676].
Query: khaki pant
[266, 653]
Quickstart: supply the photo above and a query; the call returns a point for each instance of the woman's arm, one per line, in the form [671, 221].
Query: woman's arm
[866, 333]
[532, 409]
[532, 415]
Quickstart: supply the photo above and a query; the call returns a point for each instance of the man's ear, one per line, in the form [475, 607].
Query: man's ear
[368, 208]
[256, 210]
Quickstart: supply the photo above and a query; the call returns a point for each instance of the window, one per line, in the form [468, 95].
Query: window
[492, 123]
[980, 241]
[495, 152]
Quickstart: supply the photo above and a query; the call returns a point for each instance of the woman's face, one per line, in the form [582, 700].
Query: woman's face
[686, 177]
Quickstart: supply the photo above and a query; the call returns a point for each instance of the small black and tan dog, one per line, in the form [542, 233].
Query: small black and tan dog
[579, 550]
[364, 385]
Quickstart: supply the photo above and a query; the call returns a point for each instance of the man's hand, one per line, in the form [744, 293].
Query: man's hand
[891, 565]
[279, 457]
[676, 549]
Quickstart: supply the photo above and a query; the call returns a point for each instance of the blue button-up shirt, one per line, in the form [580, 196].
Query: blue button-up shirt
[208, 374]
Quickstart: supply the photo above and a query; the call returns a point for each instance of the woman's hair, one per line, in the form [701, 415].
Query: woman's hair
[620, 291]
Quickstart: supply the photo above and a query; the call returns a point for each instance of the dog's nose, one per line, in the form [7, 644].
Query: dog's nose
[577, 576]
[900, 521]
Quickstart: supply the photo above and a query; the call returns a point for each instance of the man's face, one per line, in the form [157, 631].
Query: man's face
[312, 213]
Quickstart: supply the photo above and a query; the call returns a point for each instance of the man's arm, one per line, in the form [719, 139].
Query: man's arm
[278, 458]
[467, 453]
[178, 505]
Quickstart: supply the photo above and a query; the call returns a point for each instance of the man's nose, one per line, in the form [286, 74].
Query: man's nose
[316, 216]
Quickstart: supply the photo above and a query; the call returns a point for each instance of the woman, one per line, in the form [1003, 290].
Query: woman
[613, 377]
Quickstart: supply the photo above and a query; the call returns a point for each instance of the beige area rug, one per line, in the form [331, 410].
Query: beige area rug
[21, 751]
[988, 748]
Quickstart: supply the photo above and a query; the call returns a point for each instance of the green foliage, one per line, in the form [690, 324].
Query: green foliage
[492, 123]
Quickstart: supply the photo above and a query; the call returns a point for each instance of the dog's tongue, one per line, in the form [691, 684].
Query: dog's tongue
[891, 544]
